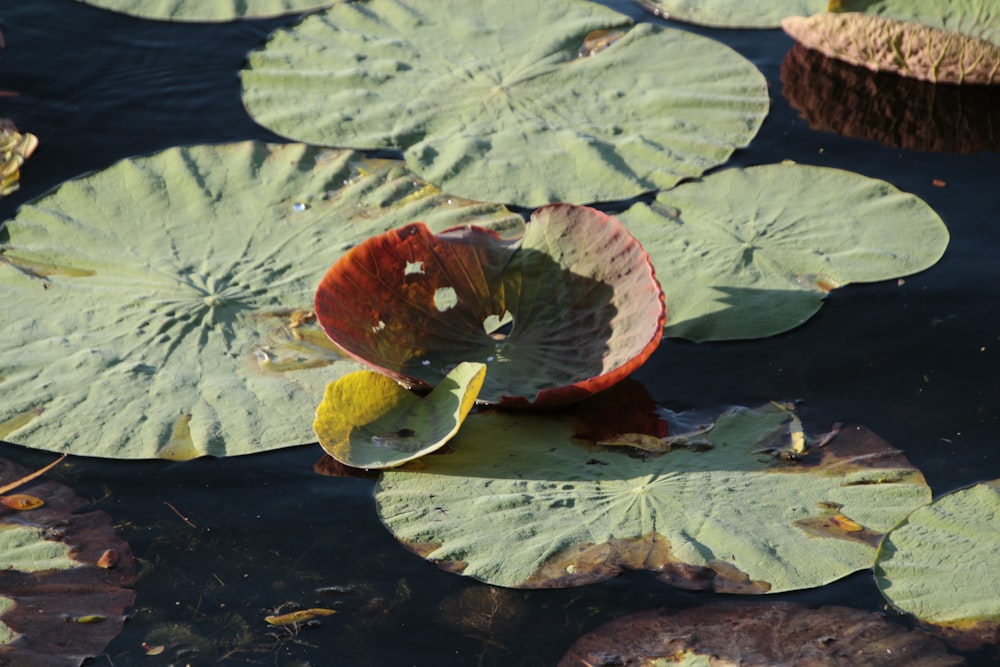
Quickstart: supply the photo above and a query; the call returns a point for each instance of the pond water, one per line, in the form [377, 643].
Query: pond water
[223, 543]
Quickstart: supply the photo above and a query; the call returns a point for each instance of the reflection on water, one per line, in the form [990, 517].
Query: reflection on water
[899, 112]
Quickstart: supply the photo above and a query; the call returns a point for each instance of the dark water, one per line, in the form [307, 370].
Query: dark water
[917, 362]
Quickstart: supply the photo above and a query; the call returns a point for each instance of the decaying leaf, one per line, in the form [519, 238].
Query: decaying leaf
[58, 604]
[907, 49]
[764, 633]
[567, 310]
[297, 617]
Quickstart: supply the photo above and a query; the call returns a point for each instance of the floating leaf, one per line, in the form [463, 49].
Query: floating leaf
[731, 515]
[526, 119]
[57, 604]
[194, 335]
[215, 10]
[908, 49]
[976, 18]
[297, 617]
[771, 633]
[897, 111]
[15, 148]
[942, 565]
[733, 13]
[367, 420]
[21, 501]
[748, 253]
[567, 310]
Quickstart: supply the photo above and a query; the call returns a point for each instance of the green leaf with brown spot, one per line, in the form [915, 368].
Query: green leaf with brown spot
[731, 508]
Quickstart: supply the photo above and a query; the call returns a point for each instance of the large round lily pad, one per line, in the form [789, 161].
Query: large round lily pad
[769, 633]
[367, 420]
[491, 100]
[734, 13]
[746, 506]
[908, 49]
[162, 307]
[568, 310]
[64, 578]
[208, 10]
[942, 564]
[748, 253]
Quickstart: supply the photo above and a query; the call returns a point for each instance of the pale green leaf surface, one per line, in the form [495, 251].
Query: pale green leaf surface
[748, 253]
[976, 18]
[25, 549]
[160, 307]
[942, 563]
[491, 101]
[908, 49]
[517, 503]
[734, 13]
[208, 10]
[367, 420]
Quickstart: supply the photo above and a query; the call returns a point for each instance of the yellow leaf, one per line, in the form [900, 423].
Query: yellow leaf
[296, 617]
[21, 501]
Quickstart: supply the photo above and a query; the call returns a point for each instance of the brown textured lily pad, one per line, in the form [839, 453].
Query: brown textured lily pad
[744, 634]
[64, 578]
[908, 49]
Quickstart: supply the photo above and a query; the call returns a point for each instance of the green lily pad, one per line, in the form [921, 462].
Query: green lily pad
[367, 420]
[207, 11]
[942, 564]
[748, 253]
[741, 507]
[908, 49]
[733, 13]
[491, 100]
[976, 18]
[162, 307]
[65, 578]
[758, 633]
[569, 309]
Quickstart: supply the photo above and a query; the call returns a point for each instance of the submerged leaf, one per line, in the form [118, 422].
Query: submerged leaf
[908, 49]
[58, 603]
[567, 310]
[367, 420]
[942, 565]
[297, 617]
[769, 633]
[195, 335]
[526, 119]
[730, 516]
[733, 13]
[748, 253]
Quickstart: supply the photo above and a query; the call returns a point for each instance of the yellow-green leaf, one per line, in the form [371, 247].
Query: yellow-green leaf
[367, 420]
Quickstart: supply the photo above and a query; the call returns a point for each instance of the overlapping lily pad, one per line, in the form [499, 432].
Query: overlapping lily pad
[64, 578]
[734, 13]
[491, 100]
[748, 253]
[162, 307]
[942, 565]
[743, 507]
[908, 49]
[769, 633]
[208, 10]
[367, 420]
[568, 310]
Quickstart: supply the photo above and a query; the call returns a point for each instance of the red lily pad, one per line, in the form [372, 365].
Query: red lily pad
[567, 310]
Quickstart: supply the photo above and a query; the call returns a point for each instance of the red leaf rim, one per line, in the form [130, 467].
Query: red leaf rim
[388, 323]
